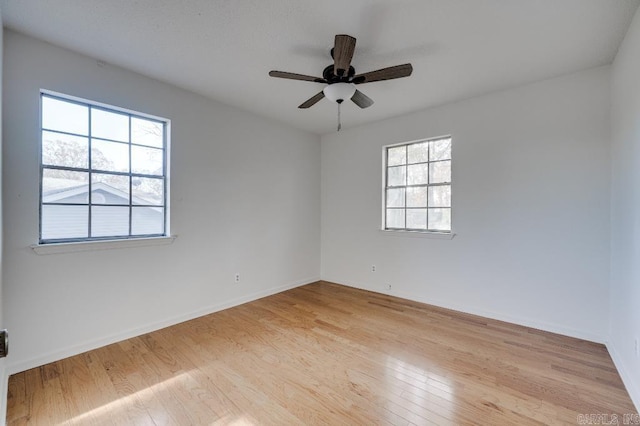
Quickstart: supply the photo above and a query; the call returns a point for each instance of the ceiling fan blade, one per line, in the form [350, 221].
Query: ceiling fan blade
[343, 53]
[390, 73]
[312, 101]
[362, 100]
[294, 76]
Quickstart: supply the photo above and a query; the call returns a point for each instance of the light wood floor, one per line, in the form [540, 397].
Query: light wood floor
[327, 354]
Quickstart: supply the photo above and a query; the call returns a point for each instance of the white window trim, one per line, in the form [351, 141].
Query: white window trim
[77, 246]
[438, 235]
[87, 245]
[418, 234]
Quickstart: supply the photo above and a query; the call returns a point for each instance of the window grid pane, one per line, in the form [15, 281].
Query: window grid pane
[418, 186]
[87, 162]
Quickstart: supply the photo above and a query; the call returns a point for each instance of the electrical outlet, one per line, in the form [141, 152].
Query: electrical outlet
[373, 268]
[237, 277]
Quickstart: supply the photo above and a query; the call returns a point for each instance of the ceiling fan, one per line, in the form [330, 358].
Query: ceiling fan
[341, 78]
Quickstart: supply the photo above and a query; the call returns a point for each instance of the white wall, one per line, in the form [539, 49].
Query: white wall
[531, 176]
[245, 197]
[625, 210]
[3, 372]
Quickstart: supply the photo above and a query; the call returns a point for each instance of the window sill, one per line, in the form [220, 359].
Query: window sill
[419, 234]
[44, 249]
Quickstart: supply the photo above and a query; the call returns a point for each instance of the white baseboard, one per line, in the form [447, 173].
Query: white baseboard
[632, 388]
[24, 365]
[526, 322]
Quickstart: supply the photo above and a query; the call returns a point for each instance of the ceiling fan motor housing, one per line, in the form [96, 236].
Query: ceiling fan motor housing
[329, 75]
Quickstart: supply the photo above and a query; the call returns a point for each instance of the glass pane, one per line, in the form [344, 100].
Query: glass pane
[109, 125]
[109, 221]
[440, 172]
[65, 116]
[419, 152]
[440, 219]
[396, 156]
[395, 197]
[148, 191]
[60, 222]
[146, 160]
[417, 197]
[110, 156]
[416, 218]
[397, 176]
[64, 186]
[441, 150]
[109, 189]
[395, 218]
[417, 174]
[147, 132]
[440, 196]
[59, 149]
[147, 221]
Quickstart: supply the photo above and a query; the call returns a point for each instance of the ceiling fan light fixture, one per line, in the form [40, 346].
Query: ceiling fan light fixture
[339, 92]
[341, 79]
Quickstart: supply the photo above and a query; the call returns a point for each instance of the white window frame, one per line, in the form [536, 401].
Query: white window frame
[66, 244]
[430, 233]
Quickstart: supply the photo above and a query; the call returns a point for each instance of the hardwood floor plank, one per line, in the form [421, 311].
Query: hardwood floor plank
[327, 354]
[17, 399]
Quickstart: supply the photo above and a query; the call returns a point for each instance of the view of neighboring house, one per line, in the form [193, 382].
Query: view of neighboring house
[110, 210]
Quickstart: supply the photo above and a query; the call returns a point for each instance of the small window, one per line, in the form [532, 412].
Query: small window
[417, 188]
[103, 172]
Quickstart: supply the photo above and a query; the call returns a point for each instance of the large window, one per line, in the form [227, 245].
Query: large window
[417, 193]
[103, 172]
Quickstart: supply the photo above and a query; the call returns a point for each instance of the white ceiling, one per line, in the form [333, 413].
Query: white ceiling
[224, 49]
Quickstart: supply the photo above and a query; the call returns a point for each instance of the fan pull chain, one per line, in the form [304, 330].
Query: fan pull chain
[339, 122]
